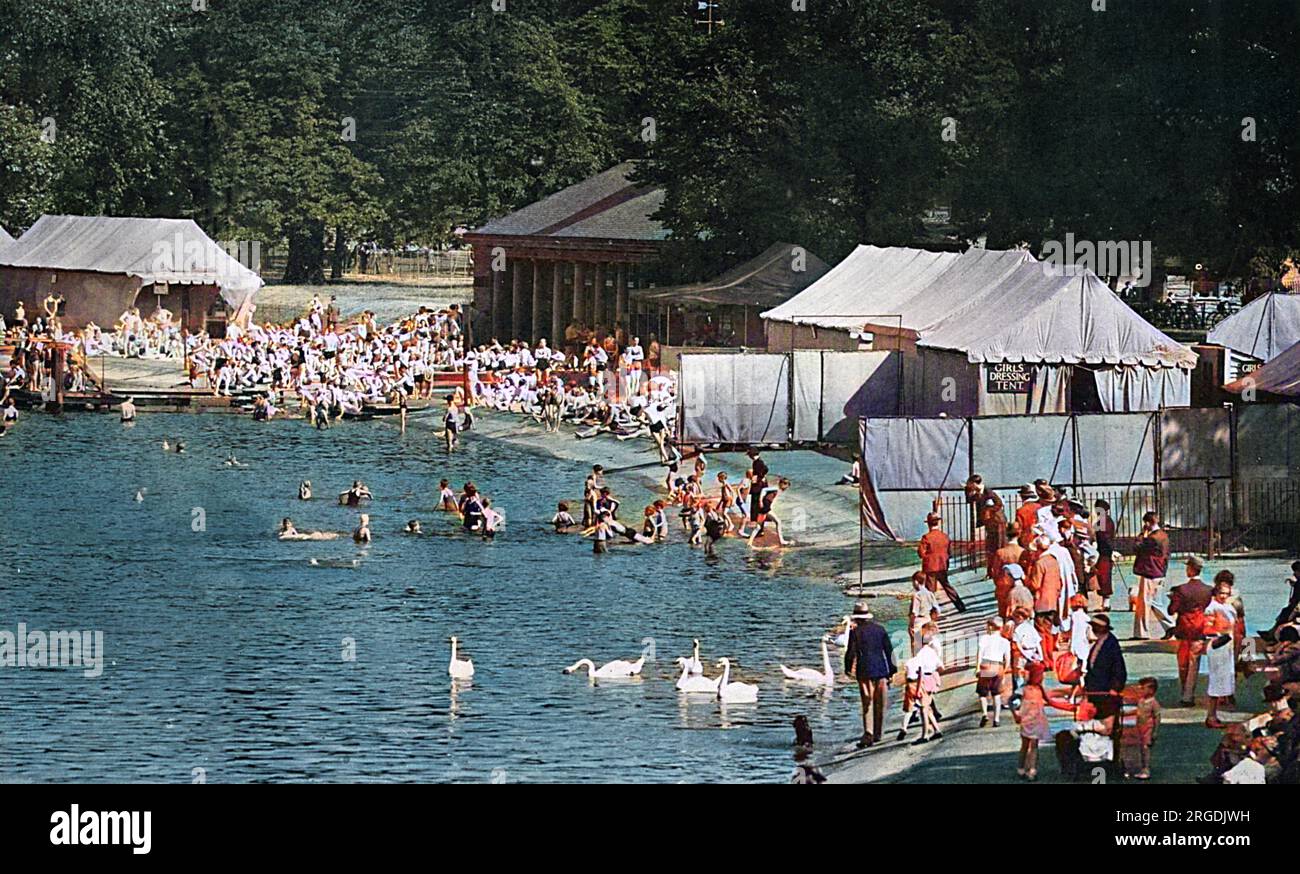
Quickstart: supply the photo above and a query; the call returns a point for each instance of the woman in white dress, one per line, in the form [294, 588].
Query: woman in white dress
[1220, 620]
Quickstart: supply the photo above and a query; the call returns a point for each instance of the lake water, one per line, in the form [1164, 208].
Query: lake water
[227, 651]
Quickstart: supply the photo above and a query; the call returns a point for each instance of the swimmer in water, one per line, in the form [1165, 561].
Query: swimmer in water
[563, 519]
[413, 527]
[362, 534]
[128, 410]
[232, 461]
[492, 520]
[602, 532]
[289, 532]
[304, 490]
[355, 495]
[180, 447]
[447, 496]
[166, 446]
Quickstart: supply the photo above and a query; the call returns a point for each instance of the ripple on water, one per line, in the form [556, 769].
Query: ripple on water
[227, 650]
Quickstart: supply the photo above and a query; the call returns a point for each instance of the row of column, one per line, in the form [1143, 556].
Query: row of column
[529, 290]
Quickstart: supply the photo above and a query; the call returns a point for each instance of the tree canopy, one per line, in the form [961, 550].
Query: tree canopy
[827, 122]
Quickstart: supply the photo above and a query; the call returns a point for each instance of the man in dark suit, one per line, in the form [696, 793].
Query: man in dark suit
[869, 658]
[991, 515]
[1187, 603]
[1106, 672]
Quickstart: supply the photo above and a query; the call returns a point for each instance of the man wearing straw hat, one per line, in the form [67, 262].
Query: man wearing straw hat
[869, 658]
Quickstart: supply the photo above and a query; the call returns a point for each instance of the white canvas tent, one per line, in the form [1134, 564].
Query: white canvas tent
[1264, 328]
[998, 332]
[101, 265]
[870, 282]
[152, 250]
[5, 237]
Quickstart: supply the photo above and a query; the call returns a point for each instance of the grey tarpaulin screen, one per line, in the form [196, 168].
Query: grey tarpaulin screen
[905, 460]
[741, 398]
[832, 390]
[916, 453]
[1195, 443]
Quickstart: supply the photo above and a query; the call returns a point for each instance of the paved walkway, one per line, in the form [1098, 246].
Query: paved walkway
[969, 754]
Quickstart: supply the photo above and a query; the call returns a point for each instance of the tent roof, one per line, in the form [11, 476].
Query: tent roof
[607, 205]
[5, 236]
[871, 283]
[768, 279]
[1037, 313]
[154, 250]
[1263, 328]
[1279, 376]
[991, 305]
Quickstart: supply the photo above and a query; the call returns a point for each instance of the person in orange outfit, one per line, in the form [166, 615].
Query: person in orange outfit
[1044, 581]
[1027, 515]
[998, 562]
[933, 551]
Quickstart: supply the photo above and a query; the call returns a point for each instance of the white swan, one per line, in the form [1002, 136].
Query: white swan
[459, 669]
[608, 671]
[693, 664]
[842, 638]
[824, 677]
[734, 693]
[698, 683]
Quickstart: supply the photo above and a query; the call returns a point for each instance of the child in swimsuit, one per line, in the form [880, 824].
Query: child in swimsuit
[563, 519]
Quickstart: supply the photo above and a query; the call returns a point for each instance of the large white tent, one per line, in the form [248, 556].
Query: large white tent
[101, 264]
[1264, 328]
[998, 332]
[872, 283]
[5, 237]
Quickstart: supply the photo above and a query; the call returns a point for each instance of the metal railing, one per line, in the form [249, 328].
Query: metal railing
[1207, 517]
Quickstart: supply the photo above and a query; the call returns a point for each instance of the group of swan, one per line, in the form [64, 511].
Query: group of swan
[691, 680]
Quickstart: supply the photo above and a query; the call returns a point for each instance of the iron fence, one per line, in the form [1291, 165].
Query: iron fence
[1203, 516]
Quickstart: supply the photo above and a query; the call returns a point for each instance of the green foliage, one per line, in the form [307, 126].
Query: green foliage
[821, 126]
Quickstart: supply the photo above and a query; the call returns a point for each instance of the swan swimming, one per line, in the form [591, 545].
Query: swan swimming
[824, 677]
[734, 693]
[459, 669]
[697, 683]
[610, 670]
[693, 664]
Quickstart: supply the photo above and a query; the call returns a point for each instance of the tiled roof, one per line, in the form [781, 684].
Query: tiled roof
[605, 206]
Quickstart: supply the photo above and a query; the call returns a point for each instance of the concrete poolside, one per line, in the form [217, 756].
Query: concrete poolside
[969, 754]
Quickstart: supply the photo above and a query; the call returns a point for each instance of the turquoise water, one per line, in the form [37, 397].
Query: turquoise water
[226, 649]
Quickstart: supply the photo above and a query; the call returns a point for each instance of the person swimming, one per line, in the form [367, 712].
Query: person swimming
[362, 534]
[492, 520]
[471, 508]
[232, 461]
[128, 410]
[563, 519]
[355, 495]
[289, 532]
[413, 527]
[304, 490]
[180, 447]
[446, 496]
